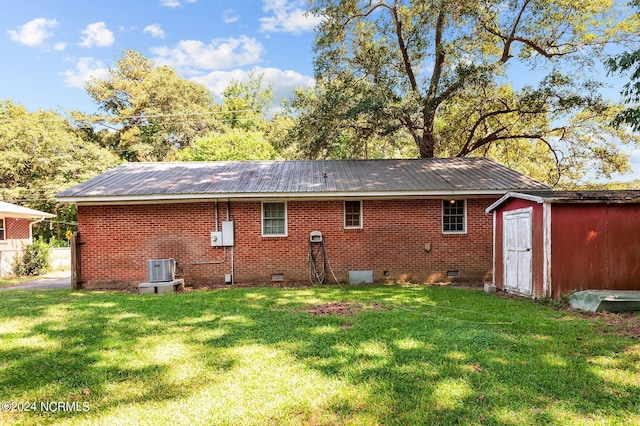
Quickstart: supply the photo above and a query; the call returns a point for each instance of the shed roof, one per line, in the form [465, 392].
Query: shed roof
[304, 178]
[13, 210]
[550, 196]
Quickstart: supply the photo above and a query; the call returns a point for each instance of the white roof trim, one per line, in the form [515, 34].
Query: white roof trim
[153, 198]
[13, 210]
[520, 195]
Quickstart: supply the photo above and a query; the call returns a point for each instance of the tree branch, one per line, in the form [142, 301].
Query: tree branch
[403, 48]
[507, 45]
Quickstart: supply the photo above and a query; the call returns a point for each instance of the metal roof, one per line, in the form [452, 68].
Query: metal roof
[13, 210]
[550, 196]
[303, 178]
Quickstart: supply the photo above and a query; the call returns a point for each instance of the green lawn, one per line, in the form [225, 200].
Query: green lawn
[393, 355]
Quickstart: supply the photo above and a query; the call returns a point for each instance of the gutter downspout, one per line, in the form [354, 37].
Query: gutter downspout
[31, 223]
[224, 257]
[233, 278]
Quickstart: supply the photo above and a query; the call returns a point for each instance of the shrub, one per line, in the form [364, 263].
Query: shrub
[34, 259]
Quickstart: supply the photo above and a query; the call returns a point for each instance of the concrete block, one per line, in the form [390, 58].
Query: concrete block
[165, 289]
[161, 287]
[490, 288]
[146, 290]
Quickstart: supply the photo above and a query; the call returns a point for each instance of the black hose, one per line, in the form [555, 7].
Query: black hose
[317, 263]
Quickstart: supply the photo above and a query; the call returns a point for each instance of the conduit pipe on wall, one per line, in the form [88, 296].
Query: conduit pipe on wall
[232, 247]
[224, 258]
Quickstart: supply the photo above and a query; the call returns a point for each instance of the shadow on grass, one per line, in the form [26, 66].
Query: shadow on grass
[433, 356]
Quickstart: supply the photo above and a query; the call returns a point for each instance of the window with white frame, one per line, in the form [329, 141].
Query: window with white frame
[274, 219]
[353, 214]
[2, 232]
[454, 216]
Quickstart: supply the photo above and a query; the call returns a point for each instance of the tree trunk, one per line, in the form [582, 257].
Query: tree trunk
[426, 145]
[426, 139]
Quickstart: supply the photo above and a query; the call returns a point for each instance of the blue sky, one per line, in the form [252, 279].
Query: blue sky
[50, 47]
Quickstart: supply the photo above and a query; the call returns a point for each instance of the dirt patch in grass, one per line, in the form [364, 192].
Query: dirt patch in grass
[344, 308]
[624, 324]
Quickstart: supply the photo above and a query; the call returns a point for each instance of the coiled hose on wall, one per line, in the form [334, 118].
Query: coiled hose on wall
[317, 262]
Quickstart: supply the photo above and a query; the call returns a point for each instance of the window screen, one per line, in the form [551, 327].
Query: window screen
[453, 216]
[274, 219]
[352, 214]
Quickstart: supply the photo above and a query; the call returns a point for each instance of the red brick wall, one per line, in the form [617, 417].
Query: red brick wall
[119, 239]
[16, 228]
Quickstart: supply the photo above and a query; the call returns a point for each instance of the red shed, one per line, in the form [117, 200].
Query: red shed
[549, 243]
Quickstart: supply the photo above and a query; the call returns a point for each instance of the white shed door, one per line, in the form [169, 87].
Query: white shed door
[517, 251]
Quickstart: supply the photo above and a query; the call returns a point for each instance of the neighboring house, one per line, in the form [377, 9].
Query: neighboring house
[16, 231]
[549, 243]
[251, 222]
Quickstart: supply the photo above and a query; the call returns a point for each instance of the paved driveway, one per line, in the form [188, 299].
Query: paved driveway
[46, 282]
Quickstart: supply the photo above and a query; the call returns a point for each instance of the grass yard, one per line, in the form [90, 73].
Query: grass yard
[393, 355]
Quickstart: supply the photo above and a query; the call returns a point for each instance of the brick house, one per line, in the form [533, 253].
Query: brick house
[252, 222]
[16, 224]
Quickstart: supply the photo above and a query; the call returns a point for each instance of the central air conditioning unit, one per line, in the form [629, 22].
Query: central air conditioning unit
[161, 270]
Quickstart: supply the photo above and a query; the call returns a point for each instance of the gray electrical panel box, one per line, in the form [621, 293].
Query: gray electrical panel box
[216, 239]
[227, 233]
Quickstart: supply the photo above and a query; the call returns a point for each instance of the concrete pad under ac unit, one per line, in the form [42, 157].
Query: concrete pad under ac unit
[161, 287]
[360, 277]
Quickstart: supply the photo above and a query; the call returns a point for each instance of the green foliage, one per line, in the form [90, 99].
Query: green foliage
[435, 74]
[246, 103]
[236, 144]
[628, 62]
[34, 259]
[152, 110]
[42, 154]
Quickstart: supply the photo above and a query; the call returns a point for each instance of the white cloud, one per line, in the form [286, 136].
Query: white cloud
[86, 68]
[154, 30]
[229, 16]
[34, 32]
[59, 46]
[97, 34]
[188, 55]
[282, 82]
[174, 3]
[287, 17]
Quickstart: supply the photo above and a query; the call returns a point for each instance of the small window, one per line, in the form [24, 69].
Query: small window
[353, 214]
[274, 219]
[2, 235]
[454, 217]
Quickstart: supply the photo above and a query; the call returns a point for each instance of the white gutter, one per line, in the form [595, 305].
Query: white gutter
[250, 196]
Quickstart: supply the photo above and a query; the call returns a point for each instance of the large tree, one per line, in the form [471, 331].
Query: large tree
[151, 111]
[245, 104]
[439, 72]
[235, 144]
[628, 62]
[42, 155]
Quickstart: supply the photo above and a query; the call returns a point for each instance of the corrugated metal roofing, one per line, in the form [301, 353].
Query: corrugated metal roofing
[596, 195]
[550, 196]
[309, 177]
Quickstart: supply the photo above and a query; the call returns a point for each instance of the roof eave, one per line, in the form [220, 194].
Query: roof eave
[154, 198]
[513, 194]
